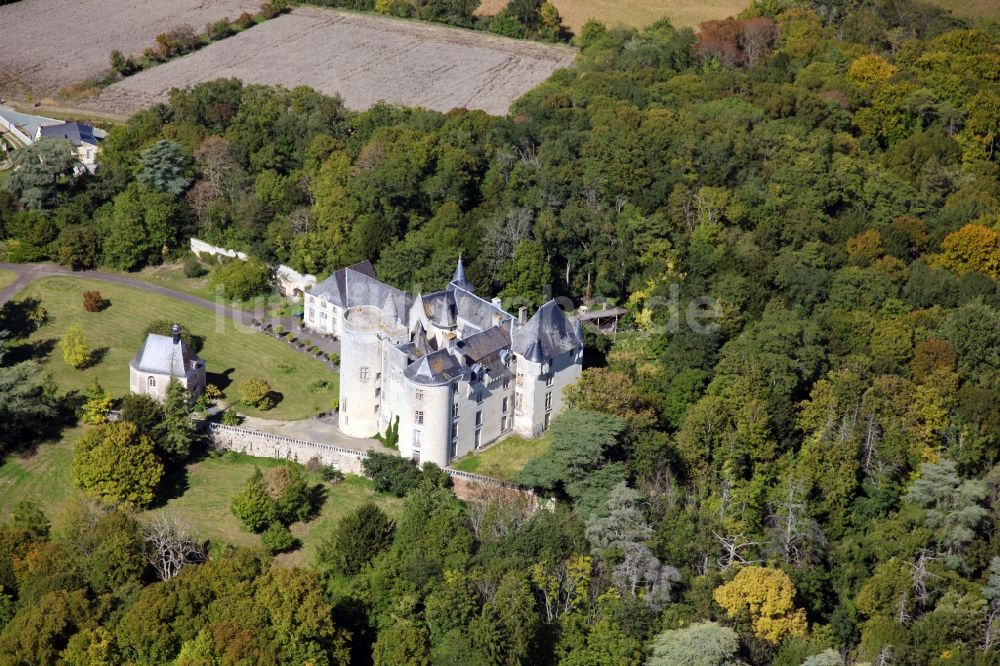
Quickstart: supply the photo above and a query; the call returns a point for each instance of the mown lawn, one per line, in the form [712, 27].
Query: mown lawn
[504, 459]
[209, 485]
[6, 277]
[232, 351]
[203, 494]
[42, 475]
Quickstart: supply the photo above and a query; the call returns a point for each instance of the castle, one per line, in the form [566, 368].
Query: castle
[452, 370]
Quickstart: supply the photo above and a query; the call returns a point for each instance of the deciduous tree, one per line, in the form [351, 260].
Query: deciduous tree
[117, 464]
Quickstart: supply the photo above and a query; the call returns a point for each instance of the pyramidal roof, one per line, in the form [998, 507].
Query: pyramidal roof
[165, 355]
[546, 335]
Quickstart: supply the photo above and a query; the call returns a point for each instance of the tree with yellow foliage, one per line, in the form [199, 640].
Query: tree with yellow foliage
[973, 248]
[768, 596]
[870, 70]
[75, 352]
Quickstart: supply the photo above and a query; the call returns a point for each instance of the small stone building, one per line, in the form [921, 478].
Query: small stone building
[163, 358]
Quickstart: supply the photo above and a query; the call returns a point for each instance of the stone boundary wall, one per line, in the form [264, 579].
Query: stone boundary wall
[201, 247]
[268, 445]
[289, 279]
[13, 129]
[261, 444]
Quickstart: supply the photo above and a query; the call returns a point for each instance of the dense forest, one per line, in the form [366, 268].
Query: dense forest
[811, 479]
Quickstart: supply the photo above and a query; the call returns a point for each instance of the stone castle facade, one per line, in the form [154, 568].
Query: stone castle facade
[456, 370]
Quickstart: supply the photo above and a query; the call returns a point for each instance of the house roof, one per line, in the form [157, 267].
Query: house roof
[77, 133]
[547, 334]
[358, 285]
[161, 355]
[435, 368]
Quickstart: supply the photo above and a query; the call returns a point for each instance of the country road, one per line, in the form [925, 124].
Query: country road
[28, 273]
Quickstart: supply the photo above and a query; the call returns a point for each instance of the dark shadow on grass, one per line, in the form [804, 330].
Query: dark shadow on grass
[21, 318]
[29, 351]
[223, 379]
[173, 484]
[97, 356]
[317, 498]
[276, 397]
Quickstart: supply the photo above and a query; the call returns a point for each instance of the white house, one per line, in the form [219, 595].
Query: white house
[163, 358]
[85, 139]
[456, 370]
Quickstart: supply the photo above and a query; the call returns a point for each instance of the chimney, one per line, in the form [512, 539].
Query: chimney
[522, 315]
[175, 330]
[497, 303]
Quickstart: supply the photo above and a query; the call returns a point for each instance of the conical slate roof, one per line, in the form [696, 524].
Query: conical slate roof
[459, 280]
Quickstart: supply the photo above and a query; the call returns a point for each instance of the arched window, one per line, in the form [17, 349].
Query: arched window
[151, 382]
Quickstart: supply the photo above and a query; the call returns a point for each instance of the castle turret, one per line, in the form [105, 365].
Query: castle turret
[459, 280]
[361, 368]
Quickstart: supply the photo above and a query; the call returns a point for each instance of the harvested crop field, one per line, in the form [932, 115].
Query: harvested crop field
[48, 44]
[634, 13]
[363, 58]
[691, 13]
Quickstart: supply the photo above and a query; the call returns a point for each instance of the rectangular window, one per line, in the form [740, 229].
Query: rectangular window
[504, 423]
[452, 450]
[343, 405]
[454, 410]
[520, 378]
[364, 373]
[479, 438]
[506, 383]
[548, 400]
[506, 404]
[479, 396]
[416, 439]
[310, 314]
[548, 380]
[517, 403]
[378, 376]
[418, 394]
[479, 419]
[378, 392]
[418, 418]
[548, 416]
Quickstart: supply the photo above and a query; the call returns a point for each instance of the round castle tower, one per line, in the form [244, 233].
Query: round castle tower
[432, 400]
[360, 371]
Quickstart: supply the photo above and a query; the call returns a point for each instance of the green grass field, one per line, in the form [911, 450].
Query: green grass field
[504, 459]
[232, 352]
[44, 476]
[6, 277]
[212, 482]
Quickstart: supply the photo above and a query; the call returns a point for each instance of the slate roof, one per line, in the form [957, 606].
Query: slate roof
[459, 280]
[78, 133]
[435, 368]
[358, 285]
[547, 334]
[161, 355]
[487, 348]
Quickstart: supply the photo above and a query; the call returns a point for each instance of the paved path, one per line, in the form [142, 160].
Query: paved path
[315, 430]
[28, 273]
